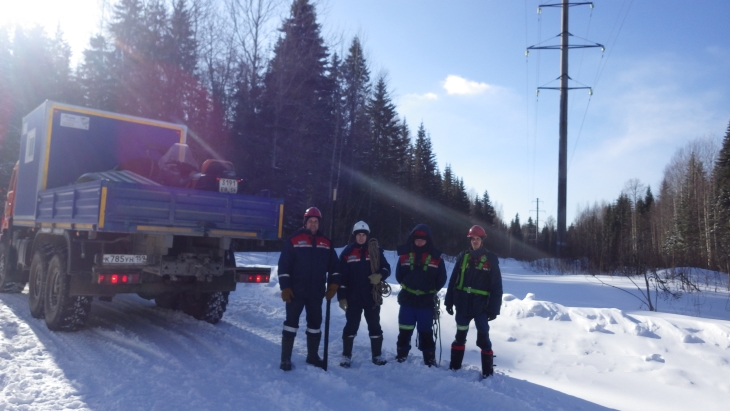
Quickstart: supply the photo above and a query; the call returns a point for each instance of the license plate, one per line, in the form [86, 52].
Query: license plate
[228, 185]
[126, 259]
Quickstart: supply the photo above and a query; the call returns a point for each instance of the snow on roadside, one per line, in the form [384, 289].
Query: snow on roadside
[562, 342]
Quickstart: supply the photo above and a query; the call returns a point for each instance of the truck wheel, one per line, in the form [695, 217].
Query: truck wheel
[38, 271]
[63, 312]
[8, 266]
[207, 307]
[171, 301]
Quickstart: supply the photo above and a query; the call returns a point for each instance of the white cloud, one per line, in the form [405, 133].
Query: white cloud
[461, 86]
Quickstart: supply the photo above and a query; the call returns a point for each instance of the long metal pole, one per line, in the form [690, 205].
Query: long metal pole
[563, 154]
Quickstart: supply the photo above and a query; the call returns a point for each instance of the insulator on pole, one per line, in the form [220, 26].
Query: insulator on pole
[537, 92]
[527, 53]
[539, 10]
[590, 91]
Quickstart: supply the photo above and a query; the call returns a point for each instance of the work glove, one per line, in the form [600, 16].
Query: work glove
[450, 309]
[343, 304]
[491, 317]
[375, 278]
[287, 295]
[331, 291]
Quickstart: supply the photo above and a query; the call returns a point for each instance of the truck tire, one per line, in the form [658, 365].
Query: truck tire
[8, 266]
[207, 307]
[171, 301]
[36, 283]
[62, 311]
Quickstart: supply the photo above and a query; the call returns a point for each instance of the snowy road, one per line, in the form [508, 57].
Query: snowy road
[135, 356]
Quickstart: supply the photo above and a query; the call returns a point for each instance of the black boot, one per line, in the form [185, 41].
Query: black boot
[487, 363]
[457, 356]
[403, 345]
[428, 346]
[312, 350]
[287, 345]
[376, 345]
[429, 358]
[347, 343]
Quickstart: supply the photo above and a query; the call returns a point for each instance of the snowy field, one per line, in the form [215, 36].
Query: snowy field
[562, 343]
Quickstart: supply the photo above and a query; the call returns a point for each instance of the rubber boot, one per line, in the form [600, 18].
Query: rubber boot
[313, 349]
[487, 363]
[287, 345]
[429, 358]
[457, 356]
[347, 343]
[457, 348]
[376, 346]
[403, 345]
[428, 346]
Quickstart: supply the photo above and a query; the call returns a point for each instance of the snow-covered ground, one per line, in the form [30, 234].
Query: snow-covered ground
[562, 343]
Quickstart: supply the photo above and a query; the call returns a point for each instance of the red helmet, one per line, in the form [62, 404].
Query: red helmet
[477, 231]
[312, 212]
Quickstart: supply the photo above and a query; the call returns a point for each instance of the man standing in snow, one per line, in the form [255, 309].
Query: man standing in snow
[359, 275]
[475, 289]
[305, 261]
[421, 273]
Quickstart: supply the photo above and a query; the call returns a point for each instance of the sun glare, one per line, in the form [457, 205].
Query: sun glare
[78, 20]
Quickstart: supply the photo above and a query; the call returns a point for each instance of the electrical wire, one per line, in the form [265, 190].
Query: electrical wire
[602, 66]
[613, 42]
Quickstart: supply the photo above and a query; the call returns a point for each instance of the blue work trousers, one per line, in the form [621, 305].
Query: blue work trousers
[422, 320]
[480, 321]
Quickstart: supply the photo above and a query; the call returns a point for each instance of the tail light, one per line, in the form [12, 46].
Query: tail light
[253, 278]
[118, 278]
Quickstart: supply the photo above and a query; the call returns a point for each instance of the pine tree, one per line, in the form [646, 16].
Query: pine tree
[382, 157]
[298, 98]
[355, 139]
[489, 214]
[95, 75]
[128, 30]
[426, 177]
[722, 202]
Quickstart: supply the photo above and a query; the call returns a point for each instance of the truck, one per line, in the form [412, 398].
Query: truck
[101, 203]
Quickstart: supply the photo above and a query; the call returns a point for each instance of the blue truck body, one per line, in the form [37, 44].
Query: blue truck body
[62, 142]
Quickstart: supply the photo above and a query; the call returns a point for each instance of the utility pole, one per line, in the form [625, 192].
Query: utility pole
[563, 128]
[537, 219]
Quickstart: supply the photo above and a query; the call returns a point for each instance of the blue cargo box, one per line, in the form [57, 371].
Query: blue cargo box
[61, 142]
[107, 206]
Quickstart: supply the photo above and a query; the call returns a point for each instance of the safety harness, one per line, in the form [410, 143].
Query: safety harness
[411, 260]
[479, 266]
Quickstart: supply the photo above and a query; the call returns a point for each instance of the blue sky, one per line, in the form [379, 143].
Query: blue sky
[663, 82]
[460, 68]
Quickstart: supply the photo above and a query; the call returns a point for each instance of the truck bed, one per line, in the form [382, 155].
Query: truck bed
[121, 207]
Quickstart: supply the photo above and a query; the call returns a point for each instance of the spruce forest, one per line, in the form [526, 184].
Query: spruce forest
[257, 83]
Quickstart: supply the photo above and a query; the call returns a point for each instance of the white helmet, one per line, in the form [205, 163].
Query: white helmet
[360, 226]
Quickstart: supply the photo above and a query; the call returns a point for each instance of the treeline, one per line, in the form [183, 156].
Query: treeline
[299, 121]
[686, 225]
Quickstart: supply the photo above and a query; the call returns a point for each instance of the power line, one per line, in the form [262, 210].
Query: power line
[564, 48]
